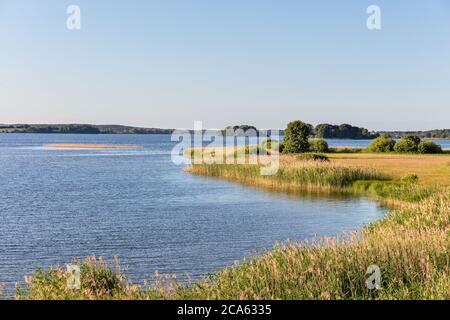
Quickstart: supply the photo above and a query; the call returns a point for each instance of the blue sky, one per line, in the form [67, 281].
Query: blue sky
[168, 63]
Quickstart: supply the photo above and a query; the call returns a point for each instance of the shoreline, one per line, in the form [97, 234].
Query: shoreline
[418, 223]
[169, 132]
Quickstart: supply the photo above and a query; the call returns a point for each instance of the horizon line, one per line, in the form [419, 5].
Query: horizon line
[162, 128]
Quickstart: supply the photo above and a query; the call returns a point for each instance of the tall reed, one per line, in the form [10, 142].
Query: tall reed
[307, 174]
[411, 246]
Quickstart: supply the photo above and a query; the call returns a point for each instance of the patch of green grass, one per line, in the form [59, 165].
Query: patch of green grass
[345, 150]
[98, 281]
[396, 189]
[312, 157]
[309, 174]
[325, 175]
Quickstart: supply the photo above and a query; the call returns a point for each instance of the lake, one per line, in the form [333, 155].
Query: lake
[56, 204]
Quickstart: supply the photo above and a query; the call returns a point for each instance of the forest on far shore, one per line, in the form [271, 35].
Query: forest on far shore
[325, 131]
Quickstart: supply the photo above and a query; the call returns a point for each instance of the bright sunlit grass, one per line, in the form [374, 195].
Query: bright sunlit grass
[431, 169]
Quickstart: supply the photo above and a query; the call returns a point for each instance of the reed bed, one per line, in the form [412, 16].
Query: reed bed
[302, 175]
[411, 246]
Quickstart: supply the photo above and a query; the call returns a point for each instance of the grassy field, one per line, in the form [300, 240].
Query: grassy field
[431, 169]
[411, 245]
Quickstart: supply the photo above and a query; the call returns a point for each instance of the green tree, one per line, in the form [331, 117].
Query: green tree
[382, 144]
[343, 131]
[318, 145]
[296, 137]
[408, 144]
[429, 147]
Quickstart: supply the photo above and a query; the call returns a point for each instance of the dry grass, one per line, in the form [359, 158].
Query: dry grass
[431, 169]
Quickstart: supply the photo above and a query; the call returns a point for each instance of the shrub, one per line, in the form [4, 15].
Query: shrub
[382, 144]
[268, 144]
[318, 145]
[411, 178]
[345, 150]
[98, 281]
[312, 157]
[296, 137]
[408, 144]
[281, 148]
[429, 147]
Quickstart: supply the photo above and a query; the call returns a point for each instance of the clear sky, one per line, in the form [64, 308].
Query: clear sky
[166, 63]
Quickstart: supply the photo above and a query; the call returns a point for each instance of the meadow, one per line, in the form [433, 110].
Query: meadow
[411, 245]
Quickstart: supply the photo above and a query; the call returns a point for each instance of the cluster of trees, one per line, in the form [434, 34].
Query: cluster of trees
[81, 129]
[116, 129]
[296, 139]
[430, 134]
[407, 144]
[322, 131]
[241, 130]
[343, 131]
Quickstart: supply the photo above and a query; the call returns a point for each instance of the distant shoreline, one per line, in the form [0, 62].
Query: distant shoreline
[167, 133]
[351, 133]
[164, 133]
[80, 129]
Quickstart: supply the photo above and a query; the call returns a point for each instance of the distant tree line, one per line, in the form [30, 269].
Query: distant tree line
[240, 130]
[343, 131]
[80, 129]
[430, 134]
[323, 131]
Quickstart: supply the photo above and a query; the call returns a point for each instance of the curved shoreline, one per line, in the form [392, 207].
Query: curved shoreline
[411, 246]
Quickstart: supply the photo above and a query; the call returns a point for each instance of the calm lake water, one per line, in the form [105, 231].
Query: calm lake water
[56, 204]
